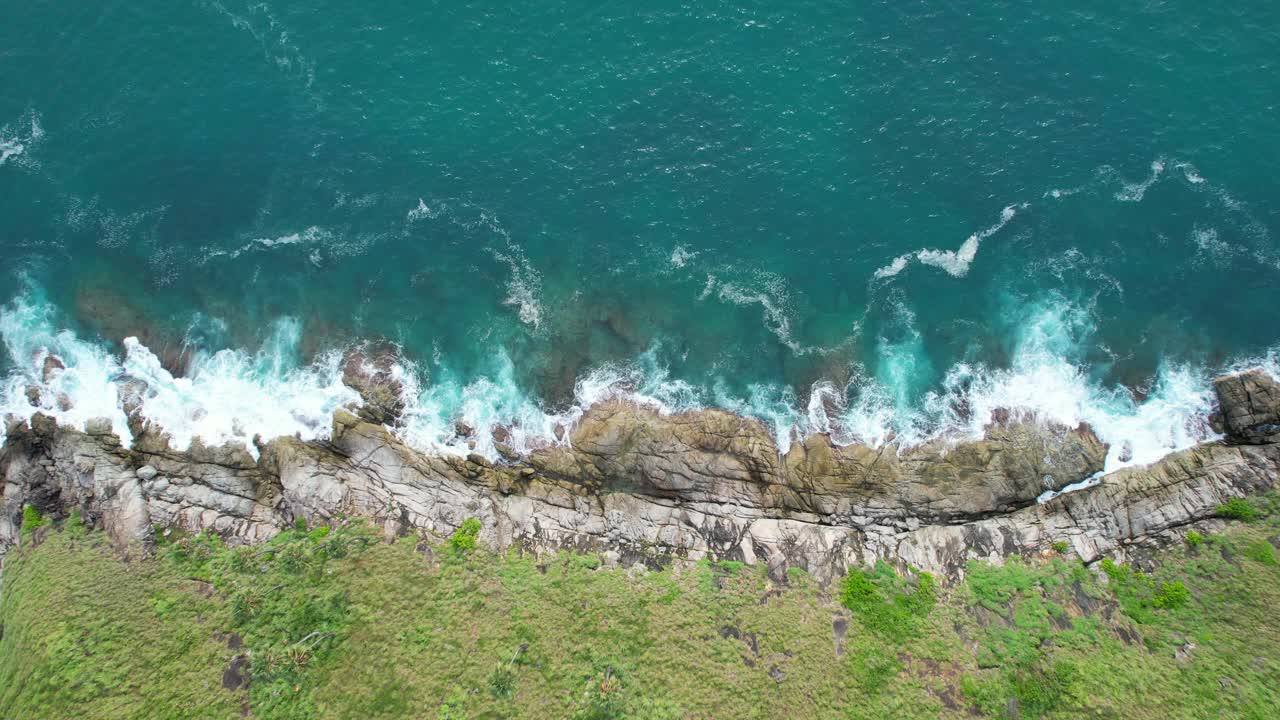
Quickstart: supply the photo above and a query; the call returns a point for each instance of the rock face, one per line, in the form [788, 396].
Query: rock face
[645, 487]
[1250, 406]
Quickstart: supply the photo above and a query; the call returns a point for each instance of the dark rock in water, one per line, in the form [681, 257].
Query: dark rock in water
[500, 434]
[369, 371]
[51, 367]
[116, 318]
[1250, 406]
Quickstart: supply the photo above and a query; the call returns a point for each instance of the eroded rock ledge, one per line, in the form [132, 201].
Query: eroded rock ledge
[646, 487]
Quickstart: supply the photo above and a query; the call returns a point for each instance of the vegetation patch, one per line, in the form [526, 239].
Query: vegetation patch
[334, 623]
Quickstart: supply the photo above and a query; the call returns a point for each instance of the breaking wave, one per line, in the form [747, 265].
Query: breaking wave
[234, 396]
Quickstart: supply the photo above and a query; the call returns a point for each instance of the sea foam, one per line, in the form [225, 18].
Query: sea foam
[234, 395]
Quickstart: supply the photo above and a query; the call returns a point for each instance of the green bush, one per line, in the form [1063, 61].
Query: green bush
[1237, 509]
[464, 538]
[1194, 539]
[31, 519]
[1261, 551]
[1061, 547]
[1171, 595]
[884, 603]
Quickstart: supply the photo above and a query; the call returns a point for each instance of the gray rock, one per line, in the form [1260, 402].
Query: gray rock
[146, 472]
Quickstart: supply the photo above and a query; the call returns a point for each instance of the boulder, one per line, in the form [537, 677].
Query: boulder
[372, 371]
[1249, 402]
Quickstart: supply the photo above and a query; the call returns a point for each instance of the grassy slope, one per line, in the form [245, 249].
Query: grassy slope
[340, 625]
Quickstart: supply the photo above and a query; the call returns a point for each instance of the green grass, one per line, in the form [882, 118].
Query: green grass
[338, 624]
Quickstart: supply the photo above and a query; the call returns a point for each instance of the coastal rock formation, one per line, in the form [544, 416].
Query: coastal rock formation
[1250, 407]
[652, 487]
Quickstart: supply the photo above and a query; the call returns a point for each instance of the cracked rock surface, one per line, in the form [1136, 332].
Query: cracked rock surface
[649, 487]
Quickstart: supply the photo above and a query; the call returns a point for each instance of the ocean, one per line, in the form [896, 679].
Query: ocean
[881, 221]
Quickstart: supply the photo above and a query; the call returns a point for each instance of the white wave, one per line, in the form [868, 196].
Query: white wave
[10, 148]
[954, 262]
[898, 265]
[19, 137]
[227, 396]
[233, 396]
[221, 399]
[56, 373]
[681, 255]
[1044, 384]
[421, 212]
[1134, 192]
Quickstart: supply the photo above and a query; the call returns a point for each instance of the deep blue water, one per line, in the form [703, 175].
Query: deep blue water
[920, 209]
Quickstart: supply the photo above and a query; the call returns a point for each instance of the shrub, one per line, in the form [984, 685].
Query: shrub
[1261, 551]
[1171, 595]
[464, 538]
[1061, 547]
[1237, 509]
[884, 603]
[1194, 539]
[31, 519]
[502, 682]
[602, 700]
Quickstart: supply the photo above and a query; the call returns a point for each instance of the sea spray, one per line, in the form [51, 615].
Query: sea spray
[226, 396]
[233, 396]
[55, 372]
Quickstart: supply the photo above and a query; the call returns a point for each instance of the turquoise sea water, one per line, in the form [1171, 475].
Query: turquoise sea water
[873, 219]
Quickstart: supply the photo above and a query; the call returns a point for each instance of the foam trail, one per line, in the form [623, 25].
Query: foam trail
[523, 287]
[1134, 192]
[310, 236]
[772, 300]
[954, 262]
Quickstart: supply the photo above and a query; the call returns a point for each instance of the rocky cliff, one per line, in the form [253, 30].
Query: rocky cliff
[639, 486]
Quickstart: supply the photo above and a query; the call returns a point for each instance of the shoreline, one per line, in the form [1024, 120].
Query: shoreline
[641, 486]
